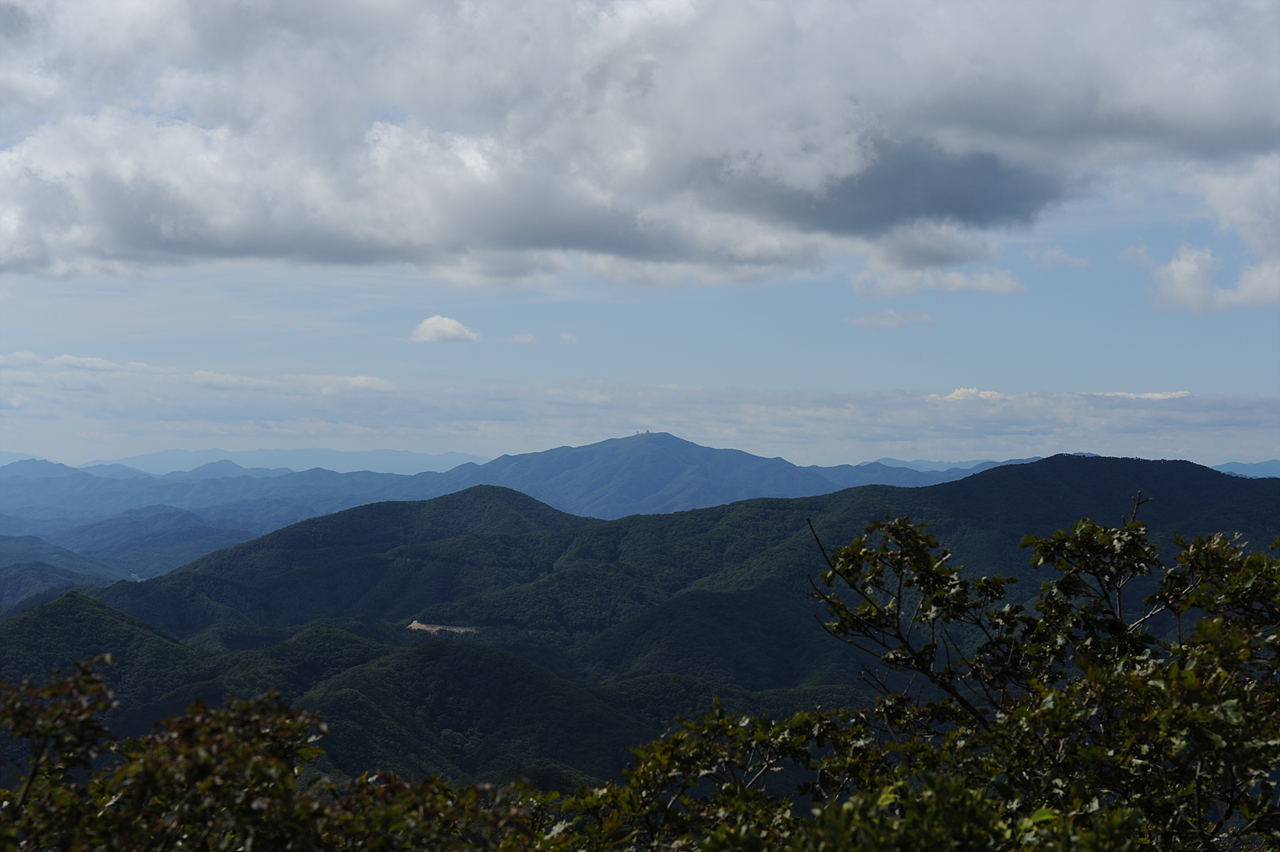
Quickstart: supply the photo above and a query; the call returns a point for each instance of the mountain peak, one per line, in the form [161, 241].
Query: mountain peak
[37, 469]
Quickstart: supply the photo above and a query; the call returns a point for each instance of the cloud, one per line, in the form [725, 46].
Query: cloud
[438, 329]
[889, 319]
[960, 394]
[85, 363]
[19, 359]
[885, 282]
[521, 338]
[1188, 281]
[54, 410]
[913, 257]
[568, 338]
[1055, 256]
[650, 140]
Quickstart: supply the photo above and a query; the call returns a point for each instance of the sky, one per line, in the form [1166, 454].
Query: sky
[827, 231]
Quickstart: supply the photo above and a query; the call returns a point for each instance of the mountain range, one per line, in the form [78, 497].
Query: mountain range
[127, 522]
[558, 640]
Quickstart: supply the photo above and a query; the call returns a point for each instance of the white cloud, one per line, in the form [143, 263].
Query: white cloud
[19, 359]
[521, 338]
[491, 141]
[1154, 395]
[85, 363]
[438, 329]
[1055, 256]
[1188, 281]
[961, 394]
[889, 319]
[568, 338]
[884, 282]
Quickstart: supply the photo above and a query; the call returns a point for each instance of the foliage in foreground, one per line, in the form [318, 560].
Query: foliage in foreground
[1126, 706]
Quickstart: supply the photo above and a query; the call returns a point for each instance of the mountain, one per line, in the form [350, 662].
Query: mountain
[35, 469]
[649, 474]
[7, 457]
[114, 471]
[643, 474]
[226, 469]
[15, 550]
[31, 565]
[383, 461]
[927, 465]
[21, 581]
[1254, 470]
[878, 473]
[571, 637]
[149, 541]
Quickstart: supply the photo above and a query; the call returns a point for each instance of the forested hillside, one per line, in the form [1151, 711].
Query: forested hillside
[607, 629]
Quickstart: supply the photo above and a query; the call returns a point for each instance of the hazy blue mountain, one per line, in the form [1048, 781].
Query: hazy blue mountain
[15, 550]
[126, 526]
[1254, 469]
[7, 457]
[147, 542]
[115, 471]
[927, 465]
[650, 473]
[19, 582]
[642, 474]
[226, 469]
[10, 525]
[382, 461]
[878, 473]
[37, 469]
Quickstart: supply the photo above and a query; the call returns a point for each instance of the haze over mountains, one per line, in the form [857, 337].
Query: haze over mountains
[384, 461]
[590, 635]
[640, 474]
[121, 522]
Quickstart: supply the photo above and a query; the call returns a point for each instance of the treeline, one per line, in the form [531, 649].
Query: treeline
[1130, 704]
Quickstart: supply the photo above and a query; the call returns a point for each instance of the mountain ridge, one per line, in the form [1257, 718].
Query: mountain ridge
[589, 635]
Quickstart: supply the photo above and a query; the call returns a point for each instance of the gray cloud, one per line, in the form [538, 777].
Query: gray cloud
[494, 140]
[904, 182]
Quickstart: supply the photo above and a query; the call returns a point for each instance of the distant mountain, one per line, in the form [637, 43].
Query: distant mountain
[589, 635]
[493, 556]
[643, 474]
[926, 465]
[16, 550]
[128, 526]
[7, 457]
[906, 475]
[19, 582]
[147, 542]
[1253, 470]
[136, 544]
[382, 461]
[226, 469]
[649, 473]
[115, 471]
[36, 469]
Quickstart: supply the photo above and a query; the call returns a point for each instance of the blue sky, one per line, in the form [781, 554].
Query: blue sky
[826, 231]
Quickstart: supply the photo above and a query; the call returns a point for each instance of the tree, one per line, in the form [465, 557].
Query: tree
[1124, 705]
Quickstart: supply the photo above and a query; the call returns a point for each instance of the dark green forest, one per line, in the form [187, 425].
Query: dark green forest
[587, 639]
